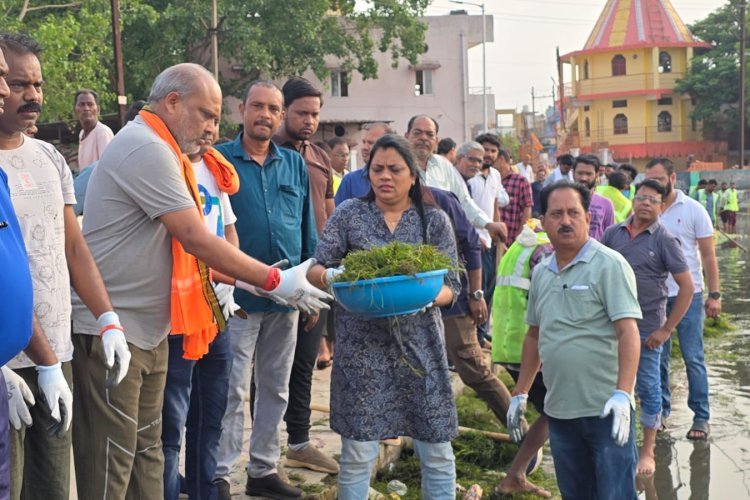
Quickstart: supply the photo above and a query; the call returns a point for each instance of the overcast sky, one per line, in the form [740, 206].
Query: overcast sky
[526, 34]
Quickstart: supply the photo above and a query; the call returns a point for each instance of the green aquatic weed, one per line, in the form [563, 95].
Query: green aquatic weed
[393, 259]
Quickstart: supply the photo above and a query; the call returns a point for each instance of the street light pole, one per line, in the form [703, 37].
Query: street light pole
[484, 61]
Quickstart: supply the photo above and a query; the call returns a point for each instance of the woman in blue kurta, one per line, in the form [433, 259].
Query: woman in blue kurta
[390, 375]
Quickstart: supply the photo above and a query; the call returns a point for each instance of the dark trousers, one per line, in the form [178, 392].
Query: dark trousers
[588, 463]
[297, 415]
[195, 398]
[489, 274]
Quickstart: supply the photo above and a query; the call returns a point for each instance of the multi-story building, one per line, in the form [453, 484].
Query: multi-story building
[620, 100]
[437, 86]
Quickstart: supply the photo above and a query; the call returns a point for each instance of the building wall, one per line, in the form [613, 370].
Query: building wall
[391, 97]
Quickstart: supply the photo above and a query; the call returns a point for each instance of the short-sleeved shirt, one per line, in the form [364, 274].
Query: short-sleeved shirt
[217, 211]
[575, 309]
[519, 193]
[653, 254]
[274, 209]
[41, 184]
[17, 306]
[91, 147]
[689, 221]
[320, 172]
[137, 181]
[602, 215]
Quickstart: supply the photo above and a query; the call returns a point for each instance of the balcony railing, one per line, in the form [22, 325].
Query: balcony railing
[624, 83]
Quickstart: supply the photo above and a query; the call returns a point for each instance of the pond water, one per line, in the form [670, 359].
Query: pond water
[719, 468]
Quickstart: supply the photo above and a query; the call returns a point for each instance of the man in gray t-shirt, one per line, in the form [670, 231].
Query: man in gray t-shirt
[138, 206]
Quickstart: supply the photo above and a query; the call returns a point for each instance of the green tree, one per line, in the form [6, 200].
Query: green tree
[72, 55]
[714, 77]
[256, 37]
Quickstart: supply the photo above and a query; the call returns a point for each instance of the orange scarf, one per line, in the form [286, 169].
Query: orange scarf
[195, 311]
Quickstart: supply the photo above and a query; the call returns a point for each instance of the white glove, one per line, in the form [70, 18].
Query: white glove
[54, 388]
[225, 296]
[619, 406]
[330, 275]
[516, 418]
[259, 291]
[295, 289]
[19, 395]
[115, 346]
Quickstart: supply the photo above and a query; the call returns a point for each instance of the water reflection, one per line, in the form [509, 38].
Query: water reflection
[718, 469]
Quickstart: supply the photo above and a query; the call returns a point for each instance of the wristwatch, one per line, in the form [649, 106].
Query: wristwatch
[714, 295]
[478, 295]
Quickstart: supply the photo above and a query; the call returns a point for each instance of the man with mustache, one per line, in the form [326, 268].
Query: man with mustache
[302, 103]
[582, 311]
[94, 135]
[41, 187]
[275, 221]
[145, 228]
[689, 221]
[585, 168]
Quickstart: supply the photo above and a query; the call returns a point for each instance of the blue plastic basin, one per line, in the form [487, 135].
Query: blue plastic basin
[391, 296]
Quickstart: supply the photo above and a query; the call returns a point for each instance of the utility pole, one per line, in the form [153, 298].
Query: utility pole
[215, 39]
[743, 23]
[122, 99]
[534, 97]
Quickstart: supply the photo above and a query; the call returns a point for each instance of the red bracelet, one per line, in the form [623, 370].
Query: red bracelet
[111, 327]
[273, 279]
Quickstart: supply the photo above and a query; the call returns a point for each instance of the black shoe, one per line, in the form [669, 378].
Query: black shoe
[223, 489]
[271, 486]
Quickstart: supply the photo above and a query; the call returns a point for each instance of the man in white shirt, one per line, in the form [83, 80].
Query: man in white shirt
[564, 170]
[437, 172]
[525, 168]
[94, 135]
[688, 220]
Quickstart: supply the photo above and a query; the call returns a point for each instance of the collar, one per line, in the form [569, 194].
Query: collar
[585, 254]
[629, 222]
[237, 151]
[282, 139]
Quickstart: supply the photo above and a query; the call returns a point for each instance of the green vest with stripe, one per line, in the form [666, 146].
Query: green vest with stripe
[730, 201]
[620, 203]
[510, 299]
[703, 200]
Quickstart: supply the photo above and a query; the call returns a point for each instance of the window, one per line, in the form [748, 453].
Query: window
[587, 127]
[621, 124]
[664, 101]
[585, 70]
[665, 62]
[665, 122]
[618, 65]
[693, 124]
[622, 103]
[339, 84]
[423, 84]
[586, 107]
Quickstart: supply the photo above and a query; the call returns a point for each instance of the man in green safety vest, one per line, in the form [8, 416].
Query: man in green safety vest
[617, 181]
[710, 200]
[508, 332]
[731, 207]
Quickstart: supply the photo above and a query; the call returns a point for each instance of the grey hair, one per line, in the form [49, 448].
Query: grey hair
[180, 79]
[387, 128]
[469, 146]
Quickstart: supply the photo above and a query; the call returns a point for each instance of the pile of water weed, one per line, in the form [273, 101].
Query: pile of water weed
[712, 328]
[394, 259]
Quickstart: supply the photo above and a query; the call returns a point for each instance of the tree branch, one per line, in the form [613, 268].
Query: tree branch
[26, 9]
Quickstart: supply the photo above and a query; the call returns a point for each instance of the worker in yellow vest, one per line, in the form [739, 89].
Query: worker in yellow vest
[731, 207]
[710, 199]
[617, 181]
[508, 333]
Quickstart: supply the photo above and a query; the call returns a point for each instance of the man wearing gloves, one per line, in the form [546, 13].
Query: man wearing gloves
[582, 313]
[146, 232]
[41, 187]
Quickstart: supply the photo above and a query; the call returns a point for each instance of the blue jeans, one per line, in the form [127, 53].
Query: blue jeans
[489, 273]
[588, 462]
[648, 387]
[690, 333]
[195, 397]
[438, 466]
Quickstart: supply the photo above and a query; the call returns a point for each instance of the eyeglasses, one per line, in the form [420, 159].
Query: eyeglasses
[647, 198]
